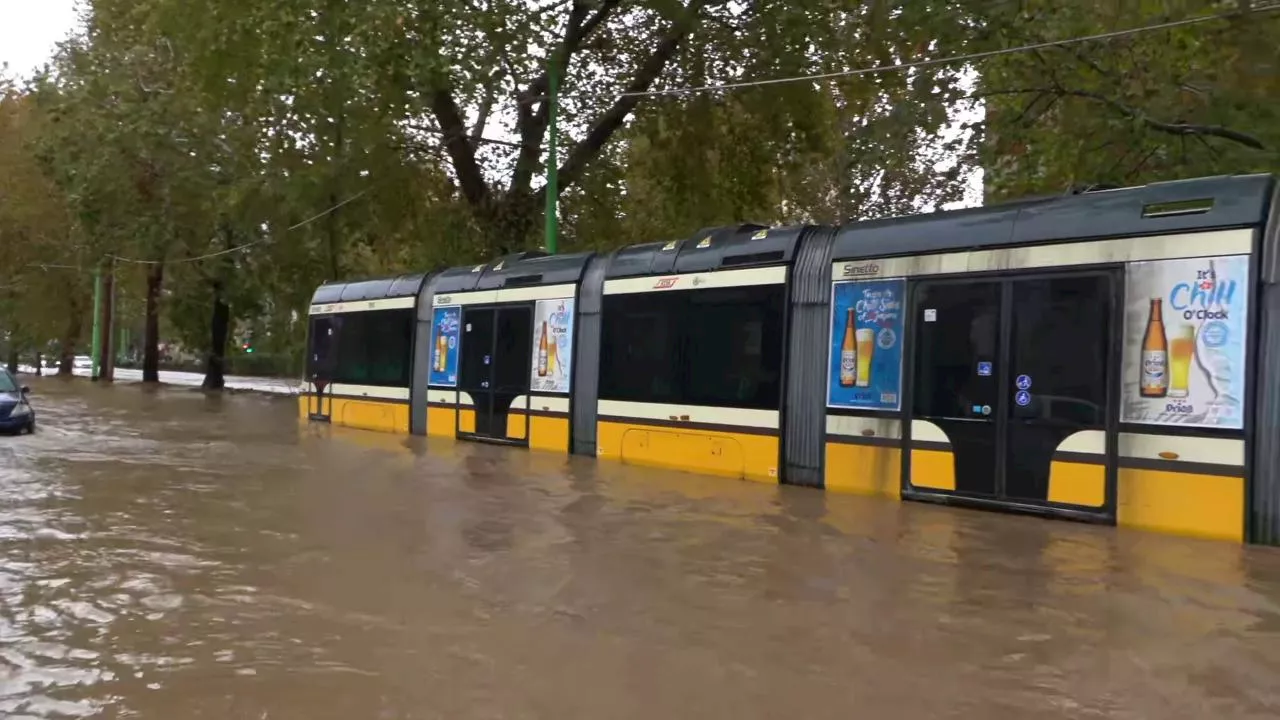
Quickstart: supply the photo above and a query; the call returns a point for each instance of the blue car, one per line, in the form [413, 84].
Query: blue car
[16, 414]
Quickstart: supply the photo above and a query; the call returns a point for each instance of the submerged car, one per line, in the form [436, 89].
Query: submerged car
[16, 413]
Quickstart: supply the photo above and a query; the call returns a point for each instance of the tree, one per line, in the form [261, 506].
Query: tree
[41, 289]
[1183, 102]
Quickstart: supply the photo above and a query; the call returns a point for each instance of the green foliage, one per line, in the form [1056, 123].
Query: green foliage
[256, 148]
[1183, 102]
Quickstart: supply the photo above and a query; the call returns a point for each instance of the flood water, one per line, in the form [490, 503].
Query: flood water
[169, 555]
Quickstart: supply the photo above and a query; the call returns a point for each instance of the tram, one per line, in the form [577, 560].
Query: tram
[1108, 356]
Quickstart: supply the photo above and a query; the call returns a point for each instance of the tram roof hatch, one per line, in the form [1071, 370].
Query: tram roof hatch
[719, 248]
[516, 270]
[375, 289]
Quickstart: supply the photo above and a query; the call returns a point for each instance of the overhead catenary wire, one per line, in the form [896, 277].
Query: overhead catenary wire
[927, 62]
[245, 246]
[227, 251]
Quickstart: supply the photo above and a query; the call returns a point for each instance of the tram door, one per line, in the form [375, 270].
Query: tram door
[494, 369]
[322, 363]
[1010, 391]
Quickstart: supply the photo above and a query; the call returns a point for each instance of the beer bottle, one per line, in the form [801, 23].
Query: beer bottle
[848, 353]
[542, 351]
[1154, 381]
[553, 360]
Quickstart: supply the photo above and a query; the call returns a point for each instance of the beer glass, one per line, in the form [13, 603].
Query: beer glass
[866, 340]
[1182, 348]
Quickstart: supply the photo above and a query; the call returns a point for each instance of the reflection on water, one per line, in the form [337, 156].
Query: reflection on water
[168, 555]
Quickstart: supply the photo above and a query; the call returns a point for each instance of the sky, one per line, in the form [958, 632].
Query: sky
[29, 30]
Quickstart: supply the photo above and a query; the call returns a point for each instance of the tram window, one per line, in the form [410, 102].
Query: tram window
[320, 353]
[1060, 340]
[733, 347]
[640, 347]
[964, 332]
[374, 348]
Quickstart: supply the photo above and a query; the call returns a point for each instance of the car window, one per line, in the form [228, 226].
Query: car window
[7, 383]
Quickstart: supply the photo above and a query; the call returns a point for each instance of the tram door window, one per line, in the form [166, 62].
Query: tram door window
[1005, 372]
[955, 388]
[512, 363]
[497, 346]
[475, 369]
[1058, 345]
[321, 358]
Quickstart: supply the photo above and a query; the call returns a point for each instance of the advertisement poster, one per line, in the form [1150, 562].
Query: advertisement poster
[552, 346]
[444, 346]
[1184, 342]
[865, 367]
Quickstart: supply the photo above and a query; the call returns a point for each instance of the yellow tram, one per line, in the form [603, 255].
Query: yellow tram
[1110, 356]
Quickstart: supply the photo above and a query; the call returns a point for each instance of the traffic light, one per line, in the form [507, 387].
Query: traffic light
[247, 347]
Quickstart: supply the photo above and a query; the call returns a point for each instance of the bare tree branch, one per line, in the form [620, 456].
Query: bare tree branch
[589, 147]
[531, 124]
[1170, 128]
[462, 153]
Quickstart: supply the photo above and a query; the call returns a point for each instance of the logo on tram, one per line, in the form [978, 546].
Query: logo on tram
[666, 283]
[870, 269]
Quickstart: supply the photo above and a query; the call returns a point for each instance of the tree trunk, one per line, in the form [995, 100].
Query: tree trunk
[219, 331]
[151, 335]
[39, 363]
[106, 364]
[13, 358]
[67, 350]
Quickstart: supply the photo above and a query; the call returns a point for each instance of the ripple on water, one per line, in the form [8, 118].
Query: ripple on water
[162, 553]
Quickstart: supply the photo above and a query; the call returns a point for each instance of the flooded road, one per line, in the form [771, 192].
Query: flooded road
[169, 555]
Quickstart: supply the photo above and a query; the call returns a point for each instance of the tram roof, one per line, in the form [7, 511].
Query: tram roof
[523, 269]
[375, 289]
[716, 248]
[1155, 209]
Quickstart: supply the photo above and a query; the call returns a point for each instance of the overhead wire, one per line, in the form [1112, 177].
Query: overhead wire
[244, 246]
[927, 62]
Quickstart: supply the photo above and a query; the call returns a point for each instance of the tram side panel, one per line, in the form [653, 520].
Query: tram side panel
[862, 355]
[373, 350]
[502, 364]
[1185, 387]
[1176, 445]
[804, 434]
[691, 371]
[1264, 501]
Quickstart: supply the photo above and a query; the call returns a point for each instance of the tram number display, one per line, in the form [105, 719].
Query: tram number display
[1184, 342]
[865, 365]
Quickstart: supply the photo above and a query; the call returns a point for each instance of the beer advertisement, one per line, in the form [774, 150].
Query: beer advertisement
[444, 346]
[552, 346]
[1184, 342]
[865, 367]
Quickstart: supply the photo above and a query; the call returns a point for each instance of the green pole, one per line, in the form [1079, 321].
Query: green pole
[552, 158]
[97, 321]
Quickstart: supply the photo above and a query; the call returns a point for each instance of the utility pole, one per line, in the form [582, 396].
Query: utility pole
[108, 323]
[552, 156]
[97, 322]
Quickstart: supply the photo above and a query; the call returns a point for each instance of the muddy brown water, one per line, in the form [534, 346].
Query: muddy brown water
[168, 555]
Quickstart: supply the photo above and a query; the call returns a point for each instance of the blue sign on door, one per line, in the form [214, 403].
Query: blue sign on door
[1023, 382]
[1023, 398]
[984, 369]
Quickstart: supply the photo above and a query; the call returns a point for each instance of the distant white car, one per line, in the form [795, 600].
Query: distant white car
[82, 362]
